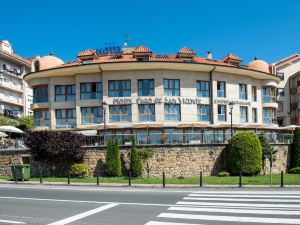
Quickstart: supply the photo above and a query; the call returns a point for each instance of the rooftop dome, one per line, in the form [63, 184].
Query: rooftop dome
[260, 65]
[49, 61]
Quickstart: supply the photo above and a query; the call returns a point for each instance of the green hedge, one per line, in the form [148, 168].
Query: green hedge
[244, 154]
[113, 166]
[295, 157]
[79, 170]
[295, 170]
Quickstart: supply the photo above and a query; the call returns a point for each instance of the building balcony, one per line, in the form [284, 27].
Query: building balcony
[11, 101]
[8, 73]
[11, 87]
[270, 105]
[39, 105]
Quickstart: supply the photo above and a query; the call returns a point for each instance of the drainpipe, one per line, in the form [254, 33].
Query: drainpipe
[211, 95]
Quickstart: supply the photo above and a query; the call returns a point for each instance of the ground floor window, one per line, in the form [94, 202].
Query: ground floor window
[120, 113]
[41, 118]
[172, 112]
[147, 112]
[91, 115]
[65, 118]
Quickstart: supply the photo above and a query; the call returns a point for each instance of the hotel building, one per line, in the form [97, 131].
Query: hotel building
[153, 95]
[15, 94]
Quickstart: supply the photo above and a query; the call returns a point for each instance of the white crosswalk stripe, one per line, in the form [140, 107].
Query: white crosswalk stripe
[233, 207]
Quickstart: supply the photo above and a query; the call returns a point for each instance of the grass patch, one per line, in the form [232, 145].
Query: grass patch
[289, 179]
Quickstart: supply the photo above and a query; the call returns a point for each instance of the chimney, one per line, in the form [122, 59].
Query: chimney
[209, 55]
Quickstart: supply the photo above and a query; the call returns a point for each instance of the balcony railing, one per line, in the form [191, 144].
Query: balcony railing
[143, 139]
[269, 99]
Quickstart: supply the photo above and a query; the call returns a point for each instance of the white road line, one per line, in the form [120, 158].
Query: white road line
[248, 192]
[11, 222]
[83, 215]
[245, 211]
[167, 223]
[242, 200]
[245, 196]
[258, 220]
[291, 206]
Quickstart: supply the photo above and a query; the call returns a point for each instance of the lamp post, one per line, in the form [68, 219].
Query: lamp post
[231, 108]
[104, 104]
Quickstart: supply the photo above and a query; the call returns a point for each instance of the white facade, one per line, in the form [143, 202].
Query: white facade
[15, 94]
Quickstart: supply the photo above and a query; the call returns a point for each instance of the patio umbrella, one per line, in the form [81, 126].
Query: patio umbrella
[3, 134]
[11, 129]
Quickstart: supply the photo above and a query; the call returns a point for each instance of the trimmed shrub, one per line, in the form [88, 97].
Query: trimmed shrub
[295, 170]
[79, 170]
[244, 154]
[295, 157]
[223, 174]
[113, 160]
[136, 166]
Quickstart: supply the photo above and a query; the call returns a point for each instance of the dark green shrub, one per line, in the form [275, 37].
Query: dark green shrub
[145, 155]
[113, 160]
[295, 157]
[268, 150]
[244, 154]
[78, 170]
[223, 174]
[136, 166]
[295, 170]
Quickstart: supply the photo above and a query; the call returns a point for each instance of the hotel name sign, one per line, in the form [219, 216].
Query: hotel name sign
[235, 102]
[157, 100]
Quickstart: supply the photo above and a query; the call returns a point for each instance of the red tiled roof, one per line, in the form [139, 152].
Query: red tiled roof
[87, 52]
[142, 49]
[232, 56]
[186, 50]
[14, 55]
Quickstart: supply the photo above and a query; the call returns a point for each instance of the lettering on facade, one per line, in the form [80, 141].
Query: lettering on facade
[158, 100]
[235, 102]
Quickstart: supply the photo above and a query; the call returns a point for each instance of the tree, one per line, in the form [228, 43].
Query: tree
[295, 157]
[55, 147]
[136, 166]
[25, 123]
[244, 154]
[113, 161]
[268, 151]
[145, 155]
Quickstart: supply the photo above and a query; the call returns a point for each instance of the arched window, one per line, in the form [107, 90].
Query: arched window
[36, 66]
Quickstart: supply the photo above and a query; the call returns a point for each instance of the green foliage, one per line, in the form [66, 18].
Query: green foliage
[136, 166]
[79, 170]
[295, 157]
[244, 154]
[145, 155]
[113, 160]
[295, 170]
[223, 174]
[26, 123]
[5, 121]
[267, 148]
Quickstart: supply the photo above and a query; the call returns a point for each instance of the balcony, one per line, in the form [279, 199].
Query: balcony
[11, 101]
[10, 86]
[12, 74]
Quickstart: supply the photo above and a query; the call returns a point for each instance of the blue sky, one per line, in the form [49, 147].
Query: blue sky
[267, 29]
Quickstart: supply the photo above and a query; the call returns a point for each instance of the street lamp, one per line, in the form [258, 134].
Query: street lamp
[231, 108]
[104, 104]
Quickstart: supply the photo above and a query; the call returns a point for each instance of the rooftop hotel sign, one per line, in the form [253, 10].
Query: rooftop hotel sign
[110, 49]
[157, 100]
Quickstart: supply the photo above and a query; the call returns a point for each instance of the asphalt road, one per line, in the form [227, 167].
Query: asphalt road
[59, 205]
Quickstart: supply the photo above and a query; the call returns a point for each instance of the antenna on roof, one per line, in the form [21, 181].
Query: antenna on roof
[127, 39]
[51, 52]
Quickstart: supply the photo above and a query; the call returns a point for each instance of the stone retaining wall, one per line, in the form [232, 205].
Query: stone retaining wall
[176, 161]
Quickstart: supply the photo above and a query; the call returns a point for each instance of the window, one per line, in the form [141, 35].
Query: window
[269, 116]
[243, 114]
[243, 91]
[221, 89]
[222, 113]
[119, 88]
[146, 87]
[91, 115]
[203, 113]
[171, 87]
[254, 93]
[254, 115]
[203, 89]
[172, 112]
[269, 95]
[65, 93]
[120, 113]
[147, 112]
[41, 118]
[280, 107]
[36, 66]
[298, 83]
[280, 91]
[280, 75]
[40, 94]
[91, 90]
[65, 118]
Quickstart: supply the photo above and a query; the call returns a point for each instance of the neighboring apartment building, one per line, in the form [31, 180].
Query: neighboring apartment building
[151, 94]
[288, 94]
[15, 94]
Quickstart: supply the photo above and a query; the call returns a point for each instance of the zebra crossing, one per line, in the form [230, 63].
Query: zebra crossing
[233, 207]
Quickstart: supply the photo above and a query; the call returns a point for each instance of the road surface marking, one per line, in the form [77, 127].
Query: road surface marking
[246, 196]
[246, 211]
[258, 220]
[247, 192]
[11, 222]
[220, 199]
[83, 215]
[291, 206]
[166, 223]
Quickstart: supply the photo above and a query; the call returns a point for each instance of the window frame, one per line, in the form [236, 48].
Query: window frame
[149, 89]
[91, 93]
[200, 114]
[199, 88]
[220, 90]
[38, 93]
[41, 119]
[121, 116]
[169, 112]
[92, 115]
[242, 116]
[118, 88]
[149, 114]
[66, 117]
[220, 115]
[171, 91]
[65, 95]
